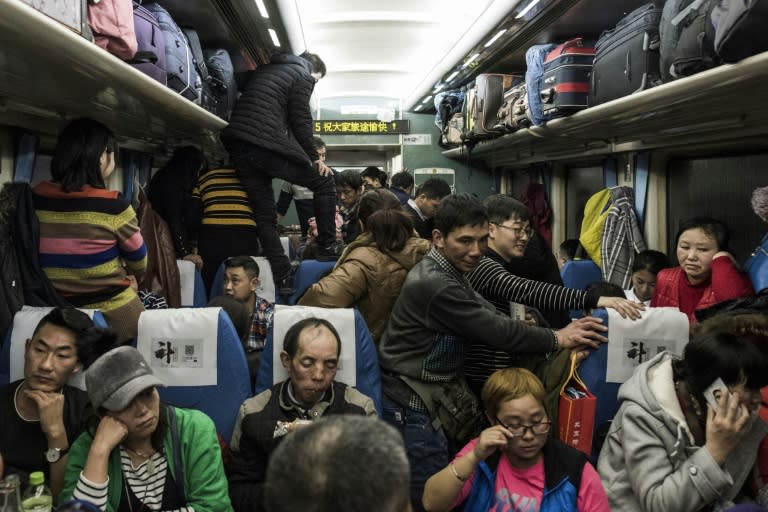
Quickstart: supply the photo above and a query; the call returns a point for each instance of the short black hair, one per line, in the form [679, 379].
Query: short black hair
[349, 178]
[650, 260]
[316, 63]
[241, 318]
[291, 339]
[457, 210]
[402, 180]
[376, 174]
[605, 289]
[317, 142]
[433, 188]
[339, 463]
[246, 262]
[733, 358]
[90, 341]
[502, 207]
[712, 227]
[569, 247]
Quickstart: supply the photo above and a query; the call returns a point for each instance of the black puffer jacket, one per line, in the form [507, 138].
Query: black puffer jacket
[273, 111]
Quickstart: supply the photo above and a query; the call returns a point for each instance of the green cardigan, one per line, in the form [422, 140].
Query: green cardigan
[205, 483]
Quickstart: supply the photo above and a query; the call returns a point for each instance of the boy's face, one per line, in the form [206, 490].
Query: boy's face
[510, 238]
[238, 285]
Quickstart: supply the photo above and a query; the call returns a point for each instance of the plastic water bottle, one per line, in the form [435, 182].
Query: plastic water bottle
[10, 494]
[37, 497]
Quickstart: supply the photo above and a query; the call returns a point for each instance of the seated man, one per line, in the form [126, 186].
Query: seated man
[41, 416]
[241, 282]
[422, 207]
[349, 189]
[316, 466]
[310, 355]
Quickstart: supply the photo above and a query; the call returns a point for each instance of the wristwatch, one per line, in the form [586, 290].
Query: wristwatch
[54, 454]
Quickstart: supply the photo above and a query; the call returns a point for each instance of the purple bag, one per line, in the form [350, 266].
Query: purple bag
[150, 57]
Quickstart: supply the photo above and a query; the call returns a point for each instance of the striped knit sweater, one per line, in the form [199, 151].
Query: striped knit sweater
[499, 287]
[223, 198]
[83, 236]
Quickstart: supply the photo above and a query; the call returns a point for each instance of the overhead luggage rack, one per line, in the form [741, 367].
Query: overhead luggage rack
[49, 73]
[726, 103]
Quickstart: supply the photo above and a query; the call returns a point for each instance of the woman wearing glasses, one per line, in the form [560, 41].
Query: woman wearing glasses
[86, 229]
[515, 464]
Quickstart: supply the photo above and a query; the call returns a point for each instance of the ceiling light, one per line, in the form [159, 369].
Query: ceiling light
[438, 87]
[262, 8]
[495, 37]
[273, 35]
[427, 99]
[418, 107]
[469, 61]
[526, 9]
[452, 76]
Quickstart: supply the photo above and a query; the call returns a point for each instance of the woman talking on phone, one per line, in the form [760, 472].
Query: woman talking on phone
[673, 445]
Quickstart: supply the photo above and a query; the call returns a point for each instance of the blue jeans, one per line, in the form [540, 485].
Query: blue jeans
[256, 168]
[427, 448]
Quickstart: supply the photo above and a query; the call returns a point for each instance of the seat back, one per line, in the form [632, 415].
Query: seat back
[579, 274]
[24, 322]
[358, 364]
[199, 357]
[193, 293]
[308, 273]
[630, 342]
[267, 289]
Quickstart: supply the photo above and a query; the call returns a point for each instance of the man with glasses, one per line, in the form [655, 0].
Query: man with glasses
[509, 231]
[435, 320]
[514, 464]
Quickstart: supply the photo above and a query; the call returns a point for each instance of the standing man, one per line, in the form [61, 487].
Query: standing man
[436, 319]
[422, 207]
[302, 197]
[270, 136]
[373, 177]
[41, 416]
[402, 186]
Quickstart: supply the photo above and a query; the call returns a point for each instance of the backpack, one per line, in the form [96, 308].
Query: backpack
[182, 75]
[740, 28]
[687, 38]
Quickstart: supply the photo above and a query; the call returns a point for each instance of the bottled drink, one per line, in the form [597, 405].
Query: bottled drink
[10, 494]
[37, 497]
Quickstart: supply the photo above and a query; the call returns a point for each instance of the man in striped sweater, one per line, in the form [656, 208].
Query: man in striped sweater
[509, 231]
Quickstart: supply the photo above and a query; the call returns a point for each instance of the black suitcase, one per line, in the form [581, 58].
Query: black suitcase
[627, 57]
[205, 97]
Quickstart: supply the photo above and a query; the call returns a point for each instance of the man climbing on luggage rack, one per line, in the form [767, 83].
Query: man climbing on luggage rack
[270, 136]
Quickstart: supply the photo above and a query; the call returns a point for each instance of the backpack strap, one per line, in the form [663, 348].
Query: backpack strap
[179, 474]
[425, 391]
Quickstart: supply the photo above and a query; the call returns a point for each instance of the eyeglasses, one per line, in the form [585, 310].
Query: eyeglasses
[537, 429]
[527, 231]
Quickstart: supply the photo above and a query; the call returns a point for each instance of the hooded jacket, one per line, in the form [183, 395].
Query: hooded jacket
[649, 461]
[273, 110]
[368, 279]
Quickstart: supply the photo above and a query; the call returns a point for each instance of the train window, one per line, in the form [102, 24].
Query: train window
[582, 183]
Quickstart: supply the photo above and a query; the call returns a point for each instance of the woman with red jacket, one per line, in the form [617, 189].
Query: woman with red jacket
[707, 274]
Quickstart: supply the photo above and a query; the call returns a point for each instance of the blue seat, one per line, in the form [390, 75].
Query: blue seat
[756, 267]
[308, 273]
[267, 289]
[193, 293]
[359, 361]
[199, 357]
[24, 322]
[579, 274]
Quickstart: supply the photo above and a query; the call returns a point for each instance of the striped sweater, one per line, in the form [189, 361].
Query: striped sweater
[83, 236]
[223, 198]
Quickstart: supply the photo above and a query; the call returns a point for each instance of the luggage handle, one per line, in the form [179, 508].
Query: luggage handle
[547, 95]
[576, 41]
[143, 58]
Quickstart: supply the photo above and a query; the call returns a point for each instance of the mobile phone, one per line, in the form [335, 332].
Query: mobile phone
[517, 311]
[714, 392]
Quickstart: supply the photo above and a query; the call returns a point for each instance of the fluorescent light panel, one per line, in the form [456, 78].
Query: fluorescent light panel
[273, 35]
[526, 9]
[418, 107]
[452, 76]
[495, 38]
[470, 60]
[427, 99]
[262, 9]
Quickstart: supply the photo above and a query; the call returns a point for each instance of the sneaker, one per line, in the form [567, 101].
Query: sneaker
[329, 253]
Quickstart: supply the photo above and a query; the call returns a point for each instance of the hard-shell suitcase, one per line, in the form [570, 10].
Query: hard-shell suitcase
[150, 57]
[565, 82]
[627, 57]
[489, 95]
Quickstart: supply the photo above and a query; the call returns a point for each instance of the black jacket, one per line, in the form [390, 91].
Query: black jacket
[273, 110]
